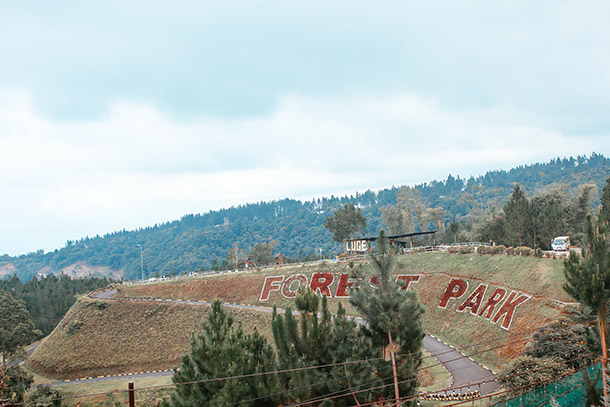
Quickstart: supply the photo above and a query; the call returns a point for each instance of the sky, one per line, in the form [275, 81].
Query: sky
[120, 114]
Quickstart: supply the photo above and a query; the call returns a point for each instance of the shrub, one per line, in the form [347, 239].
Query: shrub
[562, 340]
[526, 373]
[501, 249]
[524, 251]
[453, 249]
[466, 249]
[74, 327]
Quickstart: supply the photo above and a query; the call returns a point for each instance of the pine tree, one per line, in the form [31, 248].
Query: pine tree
[16, 327]
[16, 330]
[223, 350]
[316, 339]
[604, 212]
[346, 223]
[588, 282]
[393, 318]
[517, 211]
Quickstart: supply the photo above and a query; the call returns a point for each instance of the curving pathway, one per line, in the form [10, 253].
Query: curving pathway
[468, 375]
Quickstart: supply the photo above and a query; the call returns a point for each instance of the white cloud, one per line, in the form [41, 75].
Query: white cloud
[138, 166]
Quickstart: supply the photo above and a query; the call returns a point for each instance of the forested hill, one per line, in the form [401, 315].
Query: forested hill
[296, 229]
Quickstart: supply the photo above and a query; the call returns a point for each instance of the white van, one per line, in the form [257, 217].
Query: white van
[561, 243]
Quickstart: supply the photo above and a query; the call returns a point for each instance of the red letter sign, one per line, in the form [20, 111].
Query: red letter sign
[287, 290]
[474, 300]
[272, 283]
[508, 308]
[408, 278]
[451, 291]
[321, 281]
[342, 286]
[495, 298]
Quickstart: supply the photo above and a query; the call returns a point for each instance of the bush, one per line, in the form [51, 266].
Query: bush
[524, 251]
[526, 373]
[44, 392]
[453, 249]
[466, 249]
[73, 327]
[501, 249]
[562, 340]
[510, 251]
[491, 250]
[539, 253]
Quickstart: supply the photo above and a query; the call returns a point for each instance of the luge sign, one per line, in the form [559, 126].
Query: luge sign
[498, 305]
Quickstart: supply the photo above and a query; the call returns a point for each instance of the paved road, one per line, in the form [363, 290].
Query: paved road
[28, 351]
[465, 372]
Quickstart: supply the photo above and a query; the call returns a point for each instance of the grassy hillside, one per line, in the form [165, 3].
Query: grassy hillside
[99, 337]
[541, 279]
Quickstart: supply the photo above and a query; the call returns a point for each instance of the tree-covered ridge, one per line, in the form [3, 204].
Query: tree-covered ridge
[205, 240]
[48, 299]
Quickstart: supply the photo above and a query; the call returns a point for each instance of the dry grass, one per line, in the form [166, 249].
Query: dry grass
[103, 337]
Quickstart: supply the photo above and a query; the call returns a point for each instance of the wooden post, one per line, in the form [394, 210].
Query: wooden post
[394, 369]
[601, 318]
[132, 395]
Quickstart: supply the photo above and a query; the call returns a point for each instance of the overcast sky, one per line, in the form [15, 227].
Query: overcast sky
[123, 114]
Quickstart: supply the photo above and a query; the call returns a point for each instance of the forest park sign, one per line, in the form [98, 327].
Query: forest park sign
[495, 306]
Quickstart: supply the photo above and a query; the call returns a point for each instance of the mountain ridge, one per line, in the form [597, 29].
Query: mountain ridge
[203, 240]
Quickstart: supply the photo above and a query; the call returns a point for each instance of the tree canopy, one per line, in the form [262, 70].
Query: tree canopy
[198, 240]
[392, 314]
[16, 328]
[346, 223]
[219, 351]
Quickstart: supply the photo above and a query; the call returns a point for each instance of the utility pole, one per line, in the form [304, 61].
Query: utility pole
[141, 262]
[396, 393]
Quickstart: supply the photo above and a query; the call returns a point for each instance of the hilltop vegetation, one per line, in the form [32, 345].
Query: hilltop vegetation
[460, 207]
[48, 299]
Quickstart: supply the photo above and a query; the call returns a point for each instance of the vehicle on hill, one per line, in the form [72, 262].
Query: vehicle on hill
[561, 243]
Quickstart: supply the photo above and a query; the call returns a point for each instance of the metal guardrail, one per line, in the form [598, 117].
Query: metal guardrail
[241, 270]
[436, 248]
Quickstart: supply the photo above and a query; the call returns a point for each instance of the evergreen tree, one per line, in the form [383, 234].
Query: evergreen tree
[547, 219]
[219, 351]
[517, 213]
[316, 339]
[604, 212]
[593, 391]
[393, 318]
[14, 383]
[16, 330]
[588, 282]
[346, 223]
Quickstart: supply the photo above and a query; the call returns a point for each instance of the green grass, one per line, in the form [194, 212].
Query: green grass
[433, 375]
[103, 393]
